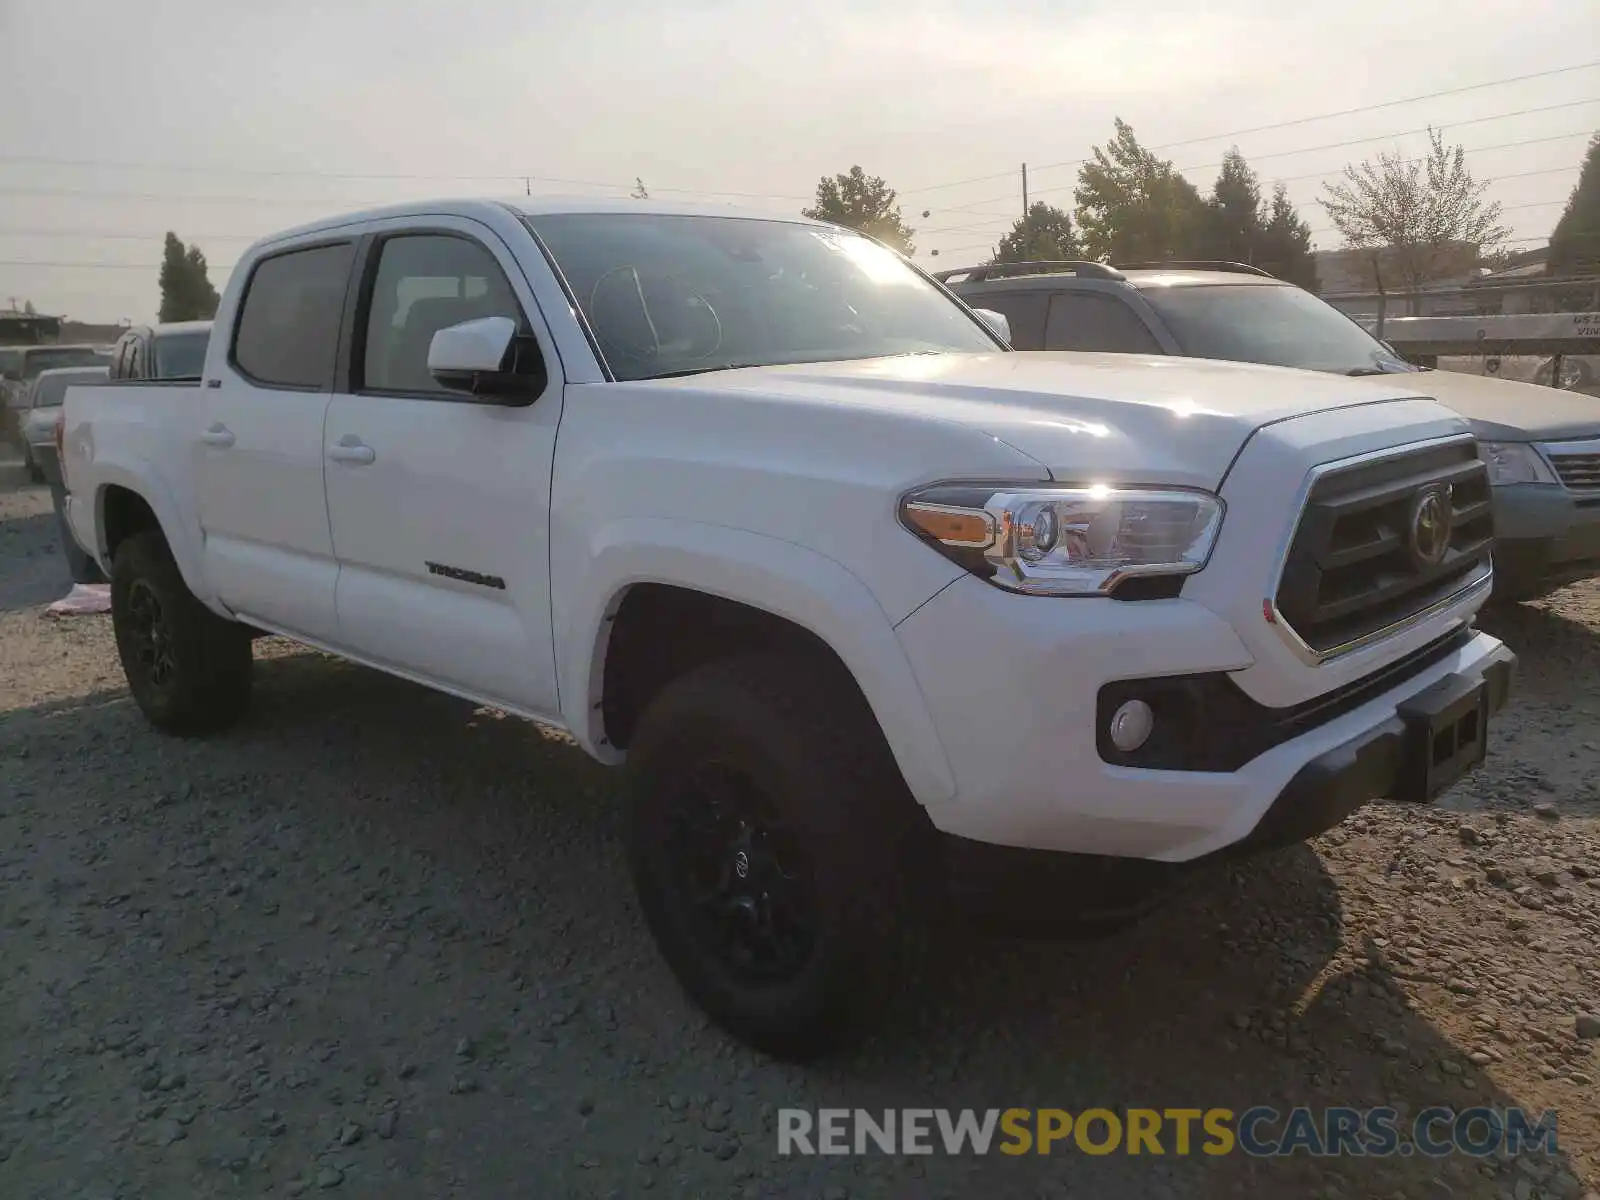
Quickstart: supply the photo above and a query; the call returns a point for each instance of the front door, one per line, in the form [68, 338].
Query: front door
[439, 504]
[258, 430]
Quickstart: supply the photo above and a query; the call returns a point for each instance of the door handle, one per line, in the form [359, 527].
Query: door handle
[349, 450]
[218, 435]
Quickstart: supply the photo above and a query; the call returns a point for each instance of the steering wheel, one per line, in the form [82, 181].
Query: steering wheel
[653, 317]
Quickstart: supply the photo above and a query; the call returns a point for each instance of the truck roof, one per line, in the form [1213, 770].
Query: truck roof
[532, 206]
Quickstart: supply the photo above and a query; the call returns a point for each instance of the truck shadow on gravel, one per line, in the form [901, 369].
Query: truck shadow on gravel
[416, 872]
[1545, 632]
[1546, 747]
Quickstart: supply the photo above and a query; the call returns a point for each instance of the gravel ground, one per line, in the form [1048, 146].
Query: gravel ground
[377, 943]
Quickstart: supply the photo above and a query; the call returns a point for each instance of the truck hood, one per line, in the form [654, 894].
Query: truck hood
[1503, 410]
[1135, 418]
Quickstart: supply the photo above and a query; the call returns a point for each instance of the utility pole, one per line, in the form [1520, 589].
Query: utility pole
[527, 186]
[1024, 189]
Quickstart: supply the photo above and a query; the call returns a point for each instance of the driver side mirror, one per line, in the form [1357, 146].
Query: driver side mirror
[996, 322]
[488, 359]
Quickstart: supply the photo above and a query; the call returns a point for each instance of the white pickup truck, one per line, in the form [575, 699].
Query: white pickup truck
[880, 614]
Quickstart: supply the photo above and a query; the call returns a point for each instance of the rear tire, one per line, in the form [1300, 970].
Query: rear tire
[772, 841]
[188, 669]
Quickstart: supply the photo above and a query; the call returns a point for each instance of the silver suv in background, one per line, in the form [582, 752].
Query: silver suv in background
[21, 365]
[38, 407]
[1542, 445]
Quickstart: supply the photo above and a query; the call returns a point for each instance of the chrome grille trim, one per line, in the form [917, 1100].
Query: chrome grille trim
[1477, 584]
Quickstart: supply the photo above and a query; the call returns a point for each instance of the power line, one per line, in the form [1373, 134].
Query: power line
[1009, 219]
[1062, 187]
[178, 198]
[93, 265]
[1513, 241]
[378, 177]
[1503, 208]
[126, 266]
[185, 198]
[129, 237]
[972, 206]
[1348, 112]
[980, 225]
[99, 266]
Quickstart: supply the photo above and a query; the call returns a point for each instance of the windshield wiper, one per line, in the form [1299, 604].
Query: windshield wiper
[1394, 368]
[738, 366]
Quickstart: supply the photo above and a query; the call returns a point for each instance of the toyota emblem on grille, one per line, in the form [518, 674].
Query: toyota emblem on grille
[1430, 526]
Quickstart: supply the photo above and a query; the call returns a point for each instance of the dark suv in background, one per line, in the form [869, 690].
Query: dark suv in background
[1200, 310]
[1542, 445]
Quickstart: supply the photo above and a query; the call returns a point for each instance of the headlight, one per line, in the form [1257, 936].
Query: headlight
[1065, 541]
[1515, 462]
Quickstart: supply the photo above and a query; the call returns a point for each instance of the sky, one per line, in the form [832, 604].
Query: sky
[225, 121]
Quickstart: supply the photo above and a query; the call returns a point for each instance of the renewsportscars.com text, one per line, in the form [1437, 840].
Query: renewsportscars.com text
[1259, 1132]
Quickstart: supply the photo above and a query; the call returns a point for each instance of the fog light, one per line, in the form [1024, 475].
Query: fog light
[1131, 725]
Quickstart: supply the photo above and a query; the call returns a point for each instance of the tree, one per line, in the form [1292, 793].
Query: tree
[640, 192]
[1418, 214]
[186, 291]
[1044, 234]
[1233, 221]
[865, 202]
[1135, 207]
[1575, 244]
[1284, 244]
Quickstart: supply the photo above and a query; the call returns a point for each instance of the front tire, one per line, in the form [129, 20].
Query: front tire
[771, 840]
[188, 669]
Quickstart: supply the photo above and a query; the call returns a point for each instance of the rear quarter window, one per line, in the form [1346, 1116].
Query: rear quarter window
[288, 325]
[180, 355]
[1023, 311]
[1088, 321]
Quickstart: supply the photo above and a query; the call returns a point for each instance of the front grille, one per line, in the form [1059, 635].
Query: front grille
[1578, 471]
[1353, 568]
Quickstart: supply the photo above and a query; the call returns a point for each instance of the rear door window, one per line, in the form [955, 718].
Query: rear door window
[288, 327]
[1088, 321]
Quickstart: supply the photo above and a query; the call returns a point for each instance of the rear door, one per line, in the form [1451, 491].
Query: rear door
[439, 503]
[259, 445]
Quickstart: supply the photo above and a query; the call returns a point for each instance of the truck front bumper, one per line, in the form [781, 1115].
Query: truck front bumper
[1545, 537]
[1017, 687]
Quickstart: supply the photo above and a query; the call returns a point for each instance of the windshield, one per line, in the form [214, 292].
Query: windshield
[181, 355]
[1280, 326]
[673, 295]
[63, 356]
[50, 390]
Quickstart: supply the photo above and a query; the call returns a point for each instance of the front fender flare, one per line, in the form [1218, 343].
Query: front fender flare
[779, 577]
